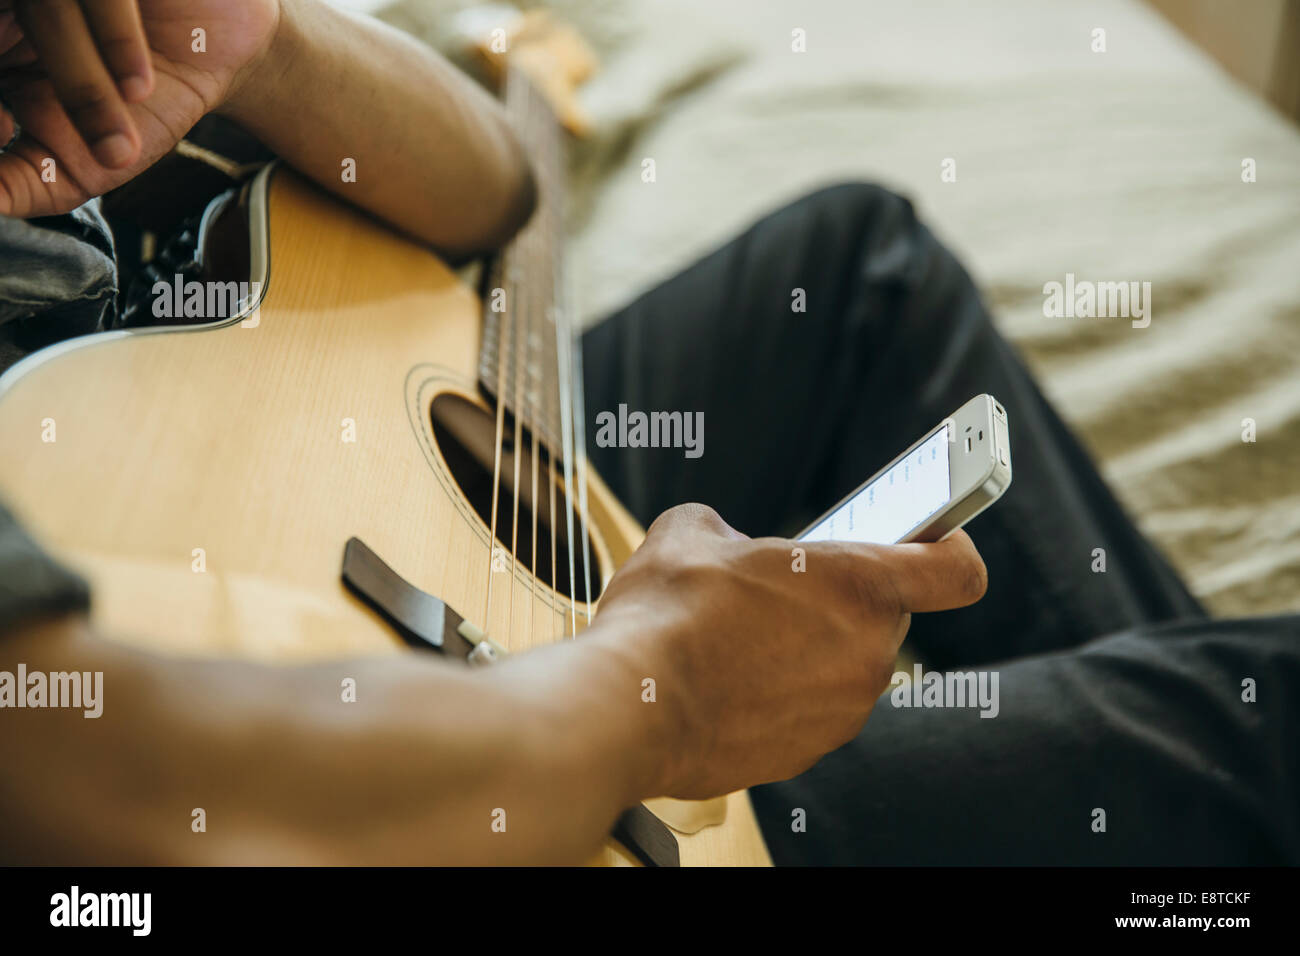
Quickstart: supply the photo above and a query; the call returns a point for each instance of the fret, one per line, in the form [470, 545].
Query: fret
[528, 272]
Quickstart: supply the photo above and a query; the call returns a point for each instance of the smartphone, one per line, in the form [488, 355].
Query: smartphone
[955, 471]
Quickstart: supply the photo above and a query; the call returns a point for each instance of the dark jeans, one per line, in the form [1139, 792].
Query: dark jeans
[1117, 693]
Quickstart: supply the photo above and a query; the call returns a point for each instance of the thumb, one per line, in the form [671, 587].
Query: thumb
[936, 576]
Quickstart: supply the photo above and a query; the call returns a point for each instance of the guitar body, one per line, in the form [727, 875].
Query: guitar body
[232, 439]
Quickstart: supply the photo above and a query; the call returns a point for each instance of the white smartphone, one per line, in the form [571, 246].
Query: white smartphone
[959, 468]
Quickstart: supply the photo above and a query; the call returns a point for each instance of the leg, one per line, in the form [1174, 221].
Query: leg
[800, 407]
[1148, 725]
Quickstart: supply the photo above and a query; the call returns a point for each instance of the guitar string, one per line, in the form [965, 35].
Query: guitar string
[564, 346]
[532, 602]
[537, 295]
[545, 137]
[551, 166]
[557, 612]
[581, 441]
[534, 117]
[564, 283]
[541, 399]
[553, 415]
[505, 260]
[531, 346]
[580, 417]
[518, 322]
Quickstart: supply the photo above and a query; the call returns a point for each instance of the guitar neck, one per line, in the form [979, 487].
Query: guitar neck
[525, 324]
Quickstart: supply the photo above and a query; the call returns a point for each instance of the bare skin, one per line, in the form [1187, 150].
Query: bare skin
[759, 670]
[106, 87]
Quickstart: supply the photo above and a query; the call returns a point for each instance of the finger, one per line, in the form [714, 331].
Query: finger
[938, 576]
[119, 34]
[926, 577]
[61, 37]
[8, 125]
[20, 54]
[10, 32]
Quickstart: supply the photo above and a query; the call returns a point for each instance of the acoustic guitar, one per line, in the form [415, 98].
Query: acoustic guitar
[365, 456]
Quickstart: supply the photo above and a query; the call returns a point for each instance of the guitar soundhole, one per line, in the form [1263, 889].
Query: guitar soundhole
[466, 437]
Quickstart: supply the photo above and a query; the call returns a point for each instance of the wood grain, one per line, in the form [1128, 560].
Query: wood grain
[229, 440]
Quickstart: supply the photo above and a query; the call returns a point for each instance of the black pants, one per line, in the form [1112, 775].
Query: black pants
[1125, 732]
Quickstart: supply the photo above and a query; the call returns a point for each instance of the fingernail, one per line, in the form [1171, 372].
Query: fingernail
[114, 150]
[134, 89]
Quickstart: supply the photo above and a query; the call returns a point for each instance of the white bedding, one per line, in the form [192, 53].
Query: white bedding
[1115, 166]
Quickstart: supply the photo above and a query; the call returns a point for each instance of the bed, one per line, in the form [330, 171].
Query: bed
[1130, 164]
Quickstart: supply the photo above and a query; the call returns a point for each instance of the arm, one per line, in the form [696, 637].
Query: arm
[434, 154]
[759, 672]
[103, 88]
[287, 773]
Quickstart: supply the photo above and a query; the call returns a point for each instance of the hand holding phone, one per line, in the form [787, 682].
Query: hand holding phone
[780, 667]
[945, 479]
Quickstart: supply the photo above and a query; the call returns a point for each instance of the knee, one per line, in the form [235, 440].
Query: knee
[875, 225]
[900, 267]
[860, 202]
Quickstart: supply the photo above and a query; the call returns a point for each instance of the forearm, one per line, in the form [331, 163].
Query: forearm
[433, 152]
[530, 761]
[549, 747]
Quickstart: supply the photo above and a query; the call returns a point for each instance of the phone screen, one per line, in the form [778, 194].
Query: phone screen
[896, 502]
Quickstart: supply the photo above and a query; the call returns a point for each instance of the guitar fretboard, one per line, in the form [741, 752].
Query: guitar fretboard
[524, 324]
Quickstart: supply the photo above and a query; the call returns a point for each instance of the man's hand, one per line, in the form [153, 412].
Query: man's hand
[103, 88]
[759, 671]
[763, 669]
[106, 87]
